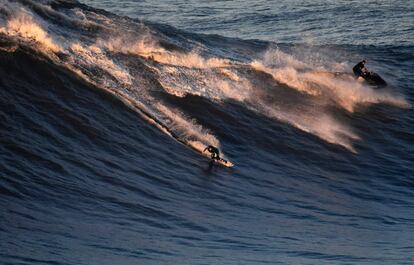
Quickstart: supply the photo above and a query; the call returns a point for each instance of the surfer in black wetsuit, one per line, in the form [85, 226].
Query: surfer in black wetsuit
[215, 153]
[360, 70]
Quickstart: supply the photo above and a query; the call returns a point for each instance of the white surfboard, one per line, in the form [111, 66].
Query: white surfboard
[222, 162]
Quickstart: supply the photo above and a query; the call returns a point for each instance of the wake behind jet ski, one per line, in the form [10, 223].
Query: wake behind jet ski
[370, 77]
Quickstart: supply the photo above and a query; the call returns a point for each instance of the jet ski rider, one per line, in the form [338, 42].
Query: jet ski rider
[360, 69]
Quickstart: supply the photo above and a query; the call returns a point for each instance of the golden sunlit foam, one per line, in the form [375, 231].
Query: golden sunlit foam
[24, 26]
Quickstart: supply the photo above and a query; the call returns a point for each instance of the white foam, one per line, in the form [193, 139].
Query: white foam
[190, 60]
[276, 57]
[344, 90]
[147, 46]
[289, 76]
[95, 57]
[25, 27]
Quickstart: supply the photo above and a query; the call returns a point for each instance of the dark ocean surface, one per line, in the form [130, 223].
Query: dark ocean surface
[106, 106]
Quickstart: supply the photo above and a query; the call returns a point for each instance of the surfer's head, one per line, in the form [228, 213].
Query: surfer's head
[364, 61]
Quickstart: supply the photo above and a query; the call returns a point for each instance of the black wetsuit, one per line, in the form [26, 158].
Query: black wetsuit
[359, 69]
[214, 152]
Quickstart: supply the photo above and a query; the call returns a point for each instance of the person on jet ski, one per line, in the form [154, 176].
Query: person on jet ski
[360, 69]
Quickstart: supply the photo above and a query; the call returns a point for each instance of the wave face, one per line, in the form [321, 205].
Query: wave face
[103, 123]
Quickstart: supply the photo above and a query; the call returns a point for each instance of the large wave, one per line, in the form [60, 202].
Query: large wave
[135, 61]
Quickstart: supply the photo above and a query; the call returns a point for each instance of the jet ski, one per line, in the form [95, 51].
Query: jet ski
[374, 79]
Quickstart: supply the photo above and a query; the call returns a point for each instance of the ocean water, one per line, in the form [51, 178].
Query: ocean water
[106, 107]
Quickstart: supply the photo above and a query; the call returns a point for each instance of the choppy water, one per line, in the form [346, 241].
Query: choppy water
[103, 115]
[363, 22]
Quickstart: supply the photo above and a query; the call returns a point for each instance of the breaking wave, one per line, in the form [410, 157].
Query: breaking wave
[134, 61]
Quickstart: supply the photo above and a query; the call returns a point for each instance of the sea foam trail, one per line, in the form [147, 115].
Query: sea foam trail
[317, 123]
[343, 89]
[192, 133]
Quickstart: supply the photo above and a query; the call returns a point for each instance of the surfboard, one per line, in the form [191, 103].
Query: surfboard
[222, 162]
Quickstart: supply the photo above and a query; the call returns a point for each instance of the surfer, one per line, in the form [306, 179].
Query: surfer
[360, 69]
[215, 153]
[215, 157]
